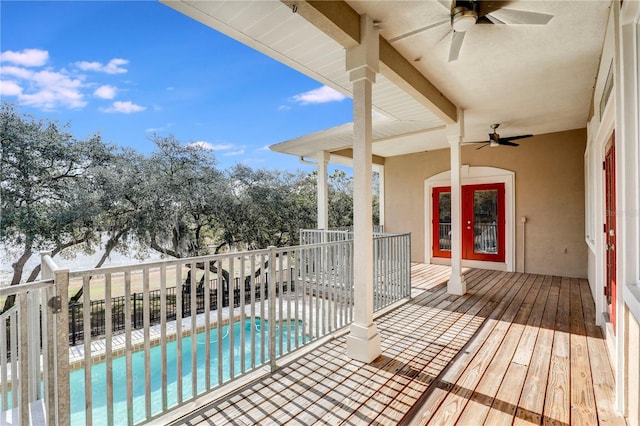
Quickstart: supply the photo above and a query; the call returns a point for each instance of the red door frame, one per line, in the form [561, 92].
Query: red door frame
[610, 229]
[468, 219]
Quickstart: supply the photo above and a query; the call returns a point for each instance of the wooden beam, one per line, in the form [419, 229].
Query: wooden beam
[348, 153]
[339, 21]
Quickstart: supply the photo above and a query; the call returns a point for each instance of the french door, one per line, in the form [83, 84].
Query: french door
[610, 230]
[483, 222]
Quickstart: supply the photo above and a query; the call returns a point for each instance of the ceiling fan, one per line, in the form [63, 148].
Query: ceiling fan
[464, 14]
[496, 140]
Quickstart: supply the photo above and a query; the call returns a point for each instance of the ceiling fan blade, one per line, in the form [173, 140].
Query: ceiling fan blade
[512, 16]
[507, 143]
[448, 4]
[456, 45]
[492, 19]
[419, 30]
[513, 138]
[485, 144]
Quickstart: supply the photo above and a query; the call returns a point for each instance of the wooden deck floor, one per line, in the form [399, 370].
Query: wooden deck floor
[516, 349]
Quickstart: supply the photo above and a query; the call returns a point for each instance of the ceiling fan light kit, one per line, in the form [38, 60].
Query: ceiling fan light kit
[463, 19]
[465, 14]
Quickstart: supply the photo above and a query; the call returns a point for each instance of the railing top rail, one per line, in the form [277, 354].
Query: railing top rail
[24, 288]
[167, 262]
[383, 235]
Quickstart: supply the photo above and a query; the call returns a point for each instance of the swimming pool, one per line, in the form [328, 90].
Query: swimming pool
[98, 372]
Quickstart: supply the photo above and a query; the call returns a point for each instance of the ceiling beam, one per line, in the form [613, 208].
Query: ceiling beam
[348, 153]
[339, 21]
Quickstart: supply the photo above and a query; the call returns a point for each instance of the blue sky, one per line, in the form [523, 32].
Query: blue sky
[128, 69]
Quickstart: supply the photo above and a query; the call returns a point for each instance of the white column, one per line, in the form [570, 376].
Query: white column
[323, 190]
[363, 342]
[455, 132]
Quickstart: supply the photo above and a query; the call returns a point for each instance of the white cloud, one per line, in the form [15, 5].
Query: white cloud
[202, 145]
[26, 57]
[284, 108]
[113, 67]
[219, 147]
[105, 92]
[45, 89]
[320, 95]
[10, 88]
[124, 107]
[234, 153]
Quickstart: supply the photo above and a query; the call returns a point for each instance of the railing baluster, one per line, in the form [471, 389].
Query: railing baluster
[272, 307]
[13, 333]
[280, 296]
[264, 278]
[231, 292]
[317, 266]
[146, 323]
[4, 348]
[242, 313]
[193, 286]
[108, 341]
[23, 345]
[163, 335]
[207, 324]
[128, 349]
[219, 291]
[179, 315]
[86, 319]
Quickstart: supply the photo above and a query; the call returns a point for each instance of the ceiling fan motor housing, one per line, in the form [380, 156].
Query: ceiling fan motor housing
[463, 19]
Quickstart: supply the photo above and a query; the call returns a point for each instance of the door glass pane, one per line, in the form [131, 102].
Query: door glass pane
[485, 218]
[444, 219]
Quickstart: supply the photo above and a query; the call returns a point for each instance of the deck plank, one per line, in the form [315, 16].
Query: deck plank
[557, 401]
[517, 348]
[583, 405]
[464, 388]
[506, 399]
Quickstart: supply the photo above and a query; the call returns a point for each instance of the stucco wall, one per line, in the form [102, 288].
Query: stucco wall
[549, 184]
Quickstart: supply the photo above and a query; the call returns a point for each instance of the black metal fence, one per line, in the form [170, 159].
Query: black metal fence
[118, 319]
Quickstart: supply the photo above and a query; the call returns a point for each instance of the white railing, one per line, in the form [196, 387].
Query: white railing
[258, 306]
[344, 233]
[485, 237]
[32, 373]
[391, 269]
[229, 315]
[391, 265]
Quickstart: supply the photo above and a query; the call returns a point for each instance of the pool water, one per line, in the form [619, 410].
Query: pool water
[98, 372]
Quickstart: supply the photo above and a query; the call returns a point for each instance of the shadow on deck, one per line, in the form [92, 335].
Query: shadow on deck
[516, 349]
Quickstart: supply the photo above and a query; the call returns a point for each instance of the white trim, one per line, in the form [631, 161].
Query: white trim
[472, 175]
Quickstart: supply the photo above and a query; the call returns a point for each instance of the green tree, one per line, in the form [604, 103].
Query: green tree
[46, 191]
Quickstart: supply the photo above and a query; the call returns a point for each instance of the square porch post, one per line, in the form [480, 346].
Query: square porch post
[323, 190]
[455, 133]
[363, 342]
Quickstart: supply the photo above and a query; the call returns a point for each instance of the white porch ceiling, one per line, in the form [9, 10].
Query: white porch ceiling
[531, 79]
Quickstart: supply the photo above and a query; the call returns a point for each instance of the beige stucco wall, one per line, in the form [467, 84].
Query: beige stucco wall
[549, 185]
